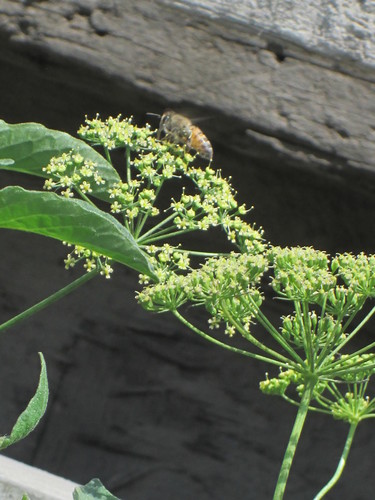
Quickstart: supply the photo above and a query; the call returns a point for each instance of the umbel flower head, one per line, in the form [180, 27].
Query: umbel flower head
[206, 200]
[301, 273]
[116, 133]
[226, 286]
[72, 172]
[92, 260]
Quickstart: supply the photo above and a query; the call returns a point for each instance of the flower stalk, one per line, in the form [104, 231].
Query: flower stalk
[341, 465]
[49, 300]
[294, 439]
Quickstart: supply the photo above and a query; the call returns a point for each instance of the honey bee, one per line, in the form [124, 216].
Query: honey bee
[179, 129]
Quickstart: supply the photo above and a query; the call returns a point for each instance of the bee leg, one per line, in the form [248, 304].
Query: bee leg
[161, 127]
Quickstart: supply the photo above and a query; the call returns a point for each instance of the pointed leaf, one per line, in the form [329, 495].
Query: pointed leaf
[30, 417]
[71, 220]
[94, 490]
[31, 146]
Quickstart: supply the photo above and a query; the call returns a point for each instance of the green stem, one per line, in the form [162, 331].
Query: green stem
[299, 317]
[142, 221]
[354, 332]
[107, 155]
[226, 346]
[164, 235]
[128, 166]
[267, 325]
[293, 440]
[193, 252]
[253, 340]
[306, 319]
[353, 314]
[330, 341]
[201, 254]
[311, 408]
[155, 228]
[344, 456]
[84, 197]
[334, 373]
[49, 300]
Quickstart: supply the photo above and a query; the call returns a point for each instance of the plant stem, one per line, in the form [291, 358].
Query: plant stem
[155, 228]
[164, 235]
[252, 339]
[306, 320]
[268, 326]
[84, 197]
[107, 155]
[128, 166]
[336, 476]
[354, 332]
[141, 222]
[201, 254]
[49, 300]
[227, 346]
[293, 440]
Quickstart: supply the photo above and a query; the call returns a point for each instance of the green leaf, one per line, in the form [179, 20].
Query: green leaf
[94, 490]
[31, 146]
[30, 417]
[71, 220]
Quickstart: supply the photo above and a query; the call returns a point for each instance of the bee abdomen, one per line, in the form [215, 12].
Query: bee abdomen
[201, 144]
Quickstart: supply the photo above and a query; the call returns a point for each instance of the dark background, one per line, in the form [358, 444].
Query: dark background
[137, 400]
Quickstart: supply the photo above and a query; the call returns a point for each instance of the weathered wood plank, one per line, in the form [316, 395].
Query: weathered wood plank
[297, 80]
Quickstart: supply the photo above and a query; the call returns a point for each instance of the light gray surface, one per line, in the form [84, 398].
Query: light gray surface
[17, 478]
[334, 28]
